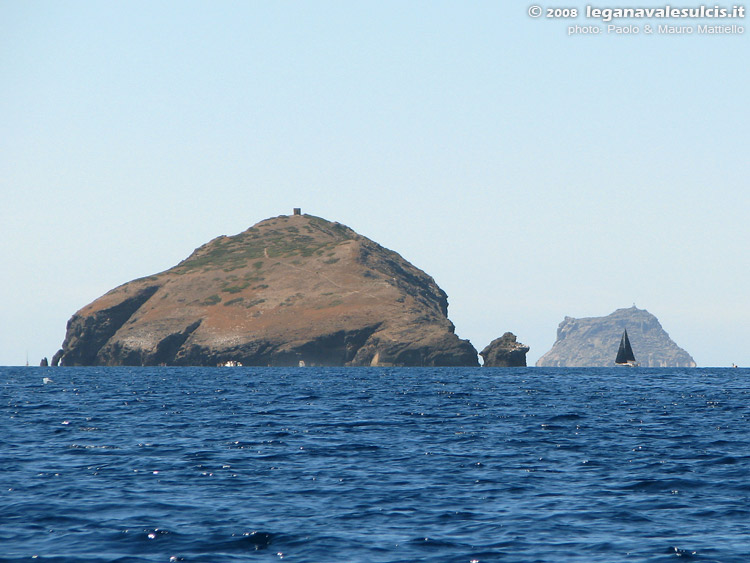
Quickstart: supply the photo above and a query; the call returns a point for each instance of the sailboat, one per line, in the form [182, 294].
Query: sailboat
[625, 356]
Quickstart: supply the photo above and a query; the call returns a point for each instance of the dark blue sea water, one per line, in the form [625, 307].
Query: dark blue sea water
[374, 465]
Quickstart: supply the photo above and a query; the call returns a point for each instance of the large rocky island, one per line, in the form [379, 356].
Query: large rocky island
[593, 342]
[288, 291]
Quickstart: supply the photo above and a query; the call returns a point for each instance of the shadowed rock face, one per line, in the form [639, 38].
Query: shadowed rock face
[289, 289]
[505, 352]
[593, 342]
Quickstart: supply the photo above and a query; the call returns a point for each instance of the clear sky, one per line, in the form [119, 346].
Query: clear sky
[532, 173]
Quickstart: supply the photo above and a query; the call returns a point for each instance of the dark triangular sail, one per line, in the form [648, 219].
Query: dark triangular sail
[625, 353]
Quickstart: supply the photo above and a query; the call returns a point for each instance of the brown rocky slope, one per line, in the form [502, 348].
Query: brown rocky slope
[290, 289]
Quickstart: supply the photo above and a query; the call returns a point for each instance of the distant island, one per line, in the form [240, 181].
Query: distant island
[594, 341]
[290, 291]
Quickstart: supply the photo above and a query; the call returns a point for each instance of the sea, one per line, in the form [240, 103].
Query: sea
[311, 464]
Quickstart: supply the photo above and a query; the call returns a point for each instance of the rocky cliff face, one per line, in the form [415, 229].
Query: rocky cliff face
[593, 342]
[505, 352]
[290, 289]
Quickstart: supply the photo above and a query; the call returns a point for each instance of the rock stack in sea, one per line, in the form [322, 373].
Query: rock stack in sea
[593, 342]
[505, 351]
[290, 290]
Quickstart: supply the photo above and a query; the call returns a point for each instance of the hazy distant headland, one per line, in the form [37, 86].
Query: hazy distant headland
[593, 342]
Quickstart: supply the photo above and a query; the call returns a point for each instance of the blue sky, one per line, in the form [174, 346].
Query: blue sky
[533, 174]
